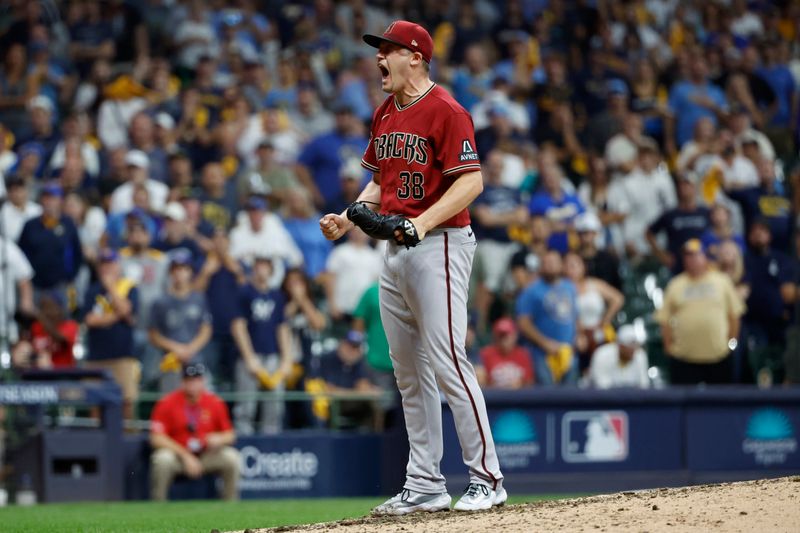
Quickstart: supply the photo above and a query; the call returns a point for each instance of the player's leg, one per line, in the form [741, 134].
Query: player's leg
[439, 301]
[425, 488]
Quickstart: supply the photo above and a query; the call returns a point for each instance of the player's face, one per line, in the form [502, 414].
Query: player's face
[393, 62]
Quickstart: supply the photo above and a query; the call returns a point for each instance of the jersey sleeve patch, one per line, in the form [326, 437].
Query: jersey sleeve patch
[467, 152]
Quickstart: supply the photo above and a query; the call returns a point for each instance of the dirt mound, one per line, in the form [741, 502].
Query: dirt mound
[764, 505]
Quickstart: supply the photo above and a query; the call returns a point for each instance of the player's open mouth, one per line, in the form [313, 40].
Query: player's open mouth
[384, 71]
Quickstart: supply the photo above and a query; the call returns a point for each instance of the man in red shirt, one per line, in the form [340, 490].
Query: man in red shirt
[425, 168]
[53, 336]
[191, 434]
[508, 365]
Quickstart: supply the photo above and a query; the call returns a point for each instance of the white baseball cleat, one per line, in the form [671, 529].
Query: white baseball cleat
[479, 497]
[500, 497]
[409, 501]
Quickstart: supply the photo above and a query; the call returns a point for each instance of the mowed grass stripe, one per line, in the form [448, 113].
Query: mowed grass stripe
[188, 516]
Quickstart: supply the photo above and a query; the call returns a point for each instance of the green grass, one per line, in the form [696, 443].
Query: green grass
[192, 516]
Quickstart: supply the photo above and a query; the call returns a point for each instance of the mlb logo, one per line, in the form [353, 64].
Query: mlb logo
[594, 436]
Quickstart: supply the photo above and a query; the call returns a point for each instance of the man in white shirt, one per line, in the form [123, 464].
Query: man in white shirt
[17, 209]
[647, 192]
[138, 165]
[351, 268]
[620, 364]
[262, 233]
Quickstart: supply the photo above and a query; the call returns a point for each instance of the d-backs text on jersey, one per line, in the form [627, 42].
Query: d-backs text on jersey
[400, 145]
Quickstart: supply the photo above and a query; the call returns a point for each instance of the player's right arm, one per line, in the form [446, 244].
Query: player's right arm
[334, 226]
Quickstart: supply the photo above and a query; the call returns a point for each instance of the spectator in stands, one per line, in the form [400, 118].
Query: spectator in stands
[720, 230]
[685, 221]
[110, 309]
[137, 169]
[507, 365]
[474, 79]
[218, 200]
[622, 363]
[610, 121]
[598, 195]
[547, 317]
[174, 234]
[643, 195]
[51, 244]
[526, 262]
[220, 279]
[689, 101]
[695, 153]
[322, 158]
[741, 128]
[351, 178]
[7, 156]
[765, 201]
[559, 207]
[772, 275]
[41, 132]
[622, 150]
[180, 324]
[141, 134]
[117, 230]
[191, 434]
[699, 321]
[268, 177]
[597, 303]
[53, 334]
[367, 319]
[301, 220]
[600, 263]
[343, 290]
[18, 209]
[264, 341]
[495, 212]
[344, 371]
[309, 117]
[16, 88]
[304, 313]
[263, 231]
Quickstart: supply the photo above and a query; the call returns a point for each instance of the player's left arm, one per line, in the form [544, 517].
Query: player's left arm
[458, 197]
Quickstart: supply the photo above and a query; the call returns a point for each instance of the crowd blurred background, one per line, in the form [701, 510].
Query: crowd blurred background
[165, 164]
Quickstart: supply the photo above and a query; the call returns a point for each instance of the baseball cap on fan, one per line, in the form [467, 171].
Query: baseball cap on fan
[406, 34]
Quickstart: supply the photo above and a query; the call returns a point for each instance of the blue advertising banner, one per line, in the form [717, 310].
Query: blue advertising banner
[309, 465]
[744, 438]
[612, 438]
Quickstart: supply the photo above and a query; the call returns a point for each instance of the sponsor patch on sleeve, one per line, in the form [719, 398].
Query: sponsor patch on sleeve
[467, 152]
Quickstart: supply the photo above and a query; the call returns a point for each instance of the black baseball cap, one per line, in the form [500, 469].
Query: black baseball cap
[194, 370]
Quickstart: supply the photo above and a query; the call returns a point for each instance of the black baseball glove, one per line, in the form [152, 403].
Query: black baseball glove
[383, 227]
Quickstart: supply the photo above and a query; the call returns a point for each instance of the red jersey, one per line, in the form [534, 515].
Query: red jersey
[505, 370]
[419, 150]
[175, 417]
[60, 353]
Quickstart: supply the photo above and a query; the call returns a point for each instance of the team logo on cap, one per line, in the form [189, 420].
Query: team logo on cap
[414, 42]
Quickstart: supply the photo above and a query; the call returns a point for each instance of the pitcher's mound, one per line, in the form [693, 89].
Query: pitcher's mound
[746, 507]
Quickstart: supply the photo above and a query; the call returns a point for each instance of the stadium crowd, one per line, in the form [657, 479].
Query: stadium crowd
[165, 164]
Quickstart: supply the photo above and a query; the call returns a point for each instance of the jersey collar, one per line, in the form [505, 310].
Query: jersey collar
[411, 103]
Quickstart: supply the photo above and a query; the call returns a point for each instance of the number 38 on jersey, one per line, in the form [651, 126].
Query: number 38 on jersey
[411, 186]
